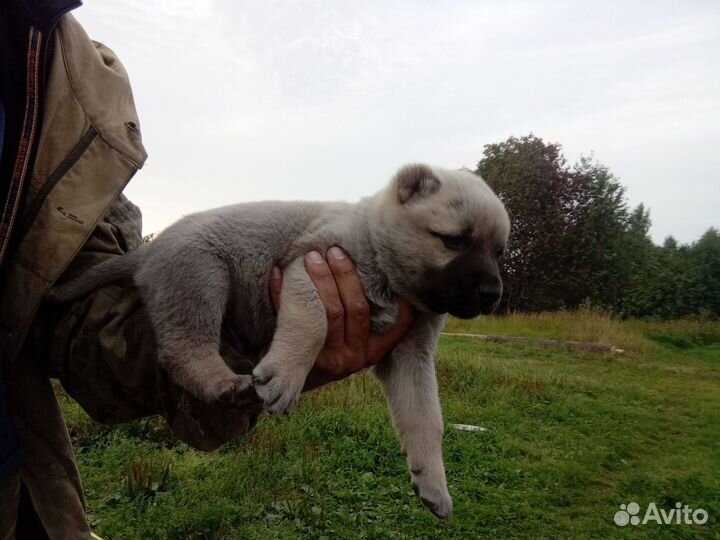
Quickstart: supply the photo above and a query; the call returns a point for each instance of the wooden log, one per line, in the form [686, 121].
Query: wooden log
[584, 345]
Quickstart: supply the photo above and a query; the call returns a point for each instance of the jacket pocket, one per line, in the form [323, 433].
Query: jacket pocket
[31, 213]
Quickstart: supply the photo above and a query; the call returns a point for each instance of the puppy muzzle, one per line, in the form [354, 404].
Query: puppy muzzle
[465, 303]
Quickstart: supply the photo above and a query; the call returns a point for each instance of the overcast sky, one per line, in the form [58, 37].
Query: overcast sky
[244, 101]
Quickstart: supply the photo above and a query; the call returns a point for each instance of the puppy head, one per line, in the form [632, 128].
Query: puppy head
[440, 234]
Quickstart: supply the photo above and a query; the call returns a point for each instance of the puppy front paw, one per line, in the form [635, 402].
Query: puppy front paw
[278, 388]
[433, 493]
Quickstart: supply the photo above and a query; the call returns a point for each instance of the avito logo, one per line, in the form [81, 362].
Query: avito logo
[680, 515]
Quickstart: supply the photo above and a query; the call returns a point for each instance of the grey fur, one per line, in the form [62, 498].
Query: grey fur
[212, 268]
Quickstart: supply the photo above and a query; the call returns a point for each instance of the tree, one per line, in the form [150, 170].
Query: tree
[641, 263]
[568, 226]
[530, 177]
[677, 280]
[573, 238]
[705, 256]
[597, 263]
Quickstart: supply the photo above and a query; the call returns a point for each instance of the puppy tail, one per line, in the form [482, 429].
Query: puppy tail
[101, 274]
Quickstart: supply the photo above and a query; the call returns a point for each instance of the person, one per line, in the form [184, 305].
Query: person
[70, 142]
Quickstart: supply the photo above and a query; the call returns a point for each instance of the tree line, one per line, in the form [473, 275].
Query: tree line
[575, 239]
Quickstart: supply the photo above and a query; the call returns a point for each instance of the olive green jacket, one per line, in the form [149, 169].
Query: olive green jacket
[100, 347]
[88, 150]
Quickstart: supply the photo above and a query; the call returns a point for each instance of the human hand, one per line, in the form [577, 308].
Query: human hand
[349, 346]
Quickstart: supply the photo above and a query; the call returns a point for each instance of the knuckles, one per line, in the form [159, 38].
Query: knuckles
[335, 315]
[360, 309]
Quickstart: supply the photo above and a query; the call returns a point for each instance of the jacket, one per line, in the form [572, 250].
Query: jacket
[86, 147]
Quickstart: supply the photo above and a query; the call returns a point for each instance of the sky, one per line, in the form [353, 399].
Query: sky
[311, 100]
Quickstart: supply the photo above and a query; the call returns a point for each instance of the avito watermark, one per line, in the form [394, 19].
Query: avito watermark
[682, 514]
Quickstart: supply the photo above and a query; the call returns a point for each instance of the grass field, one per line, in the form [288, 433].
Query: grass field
[570, 437]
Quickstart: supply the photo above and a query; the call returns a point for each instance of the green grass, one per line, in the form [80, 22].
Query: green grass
[571, 436]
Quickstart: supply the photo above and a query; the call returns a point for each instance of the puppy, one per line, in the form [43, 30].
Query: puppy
[432, 236]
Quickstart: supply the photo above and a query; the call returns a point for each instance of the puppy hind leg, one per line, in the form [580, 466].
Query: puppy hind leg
[187, 307]
[199, 368]
[299, 336]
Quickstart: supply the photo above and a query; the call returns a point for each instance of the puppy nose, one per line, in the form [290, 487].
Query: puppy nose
[488, 296]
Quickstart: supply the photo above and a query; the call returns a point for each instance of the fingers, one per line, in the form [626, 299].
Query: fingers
[352, 295]
[349, 346]
[321, 275]
[275, 286]
[380, 345]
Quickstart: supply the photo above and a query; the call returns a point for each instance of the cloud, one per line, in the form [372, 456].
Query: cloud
[250, 100]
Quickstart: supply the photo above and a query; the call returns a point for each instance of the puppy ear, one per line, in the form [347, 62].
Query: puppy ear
[415, 181]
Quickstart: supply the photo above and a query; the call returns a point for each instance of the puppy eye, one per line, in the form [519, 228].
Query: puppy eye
[455, 243]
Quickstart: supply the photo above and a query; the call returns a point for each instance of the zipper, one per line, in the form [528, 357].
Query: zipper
[8, 240]
[27, 142]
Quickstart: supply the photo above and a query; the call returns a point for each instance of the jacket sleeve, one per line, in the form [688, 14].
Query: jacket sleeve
[103, 350]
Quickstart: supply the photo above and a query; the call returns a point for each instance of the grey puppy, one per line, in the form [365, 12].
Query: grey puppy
[432, 236]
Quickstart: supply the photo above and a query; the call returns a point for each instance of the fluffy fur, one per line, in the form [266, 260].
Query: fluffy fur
[432, 236]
